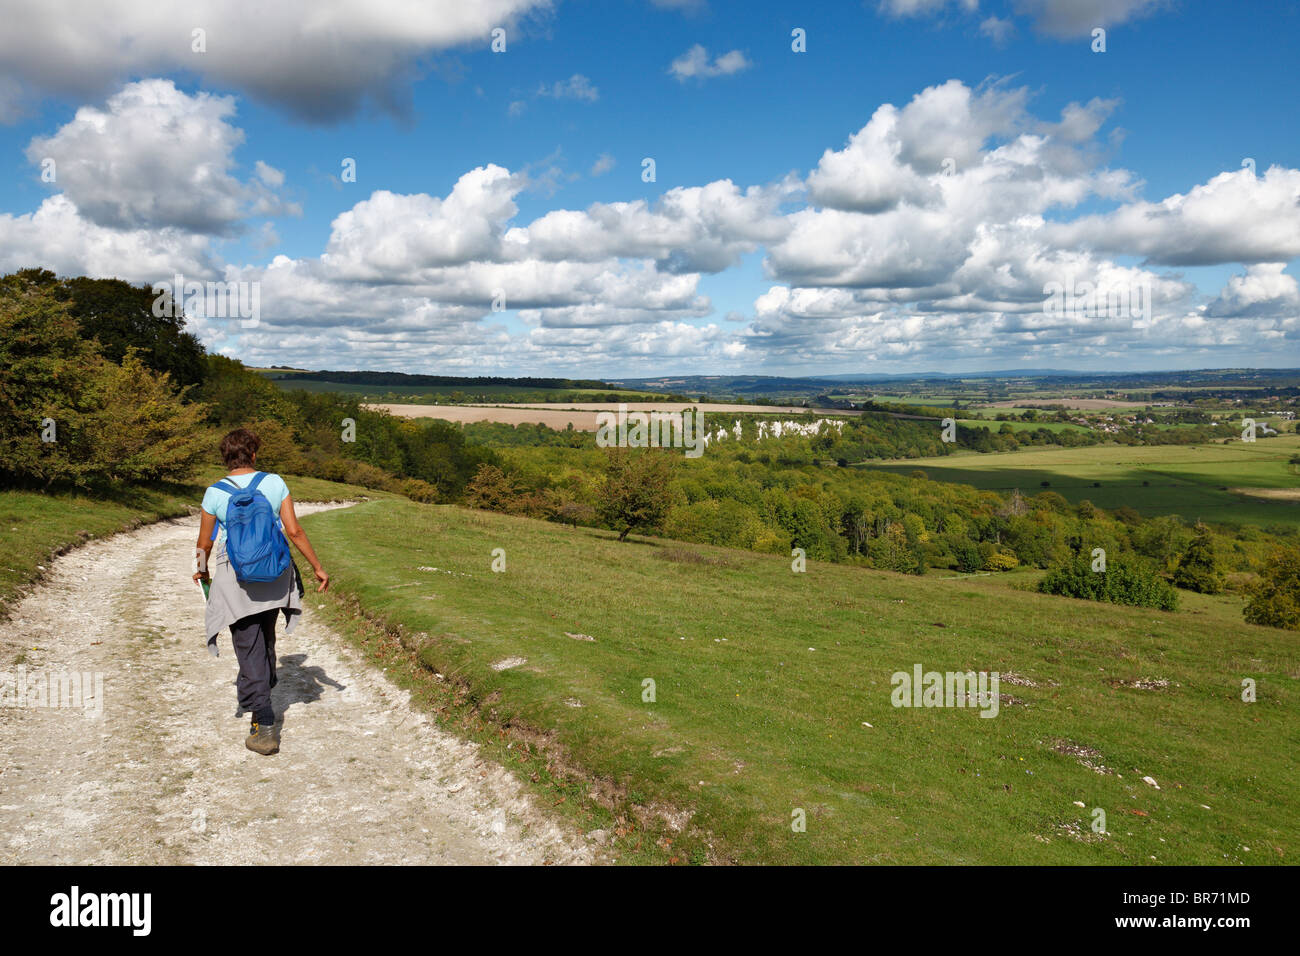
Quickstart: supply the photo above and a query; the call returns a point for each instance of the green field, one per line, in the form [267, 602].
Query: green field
[1194, 481]
[766, 680]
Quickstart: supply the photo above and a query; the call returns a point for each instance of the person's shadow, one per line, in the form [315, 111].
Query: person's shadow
[298, 684]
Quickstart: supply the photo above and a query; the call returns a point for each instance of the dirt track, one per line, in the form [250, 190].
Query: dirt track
[162, 776]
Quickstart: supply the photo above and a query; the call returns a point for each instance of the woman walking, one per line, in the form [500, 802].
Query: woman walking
[243, 563]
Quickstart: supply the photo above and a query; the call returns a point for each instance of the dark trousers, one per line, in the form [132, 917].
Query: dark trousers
[254, 640]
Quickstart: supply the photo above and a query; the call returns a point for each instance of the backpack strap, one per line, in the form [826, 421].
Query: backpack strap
[257, 480]
[232, 489]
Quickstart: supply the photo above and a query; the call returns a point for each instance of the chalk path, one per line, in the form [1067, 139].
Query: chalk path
[163, 777]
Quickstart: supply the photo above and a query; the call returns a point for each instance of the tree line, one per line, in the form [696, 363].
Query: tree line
[96, 389]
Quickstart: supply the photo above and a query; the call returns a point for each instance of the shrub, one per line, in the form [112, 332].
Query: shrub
[1198, 569]
[278, 452]
[1274, 600]
[236, 396]
[109, 422]
[1001, 561]
[417, 490]
[368, 476]
[491, 489]
[138, 429]
[1127, 515]
[967, 555]
[45, 368]
[892, 552]
[634, 493]
[1123, 582]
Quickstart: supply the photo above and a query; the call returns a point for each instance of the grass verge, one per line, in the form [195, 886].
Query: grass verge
[771, 698]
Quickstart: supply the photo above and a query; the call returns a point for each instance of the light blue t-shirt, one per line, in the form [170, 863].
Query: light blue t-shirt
[216, 499]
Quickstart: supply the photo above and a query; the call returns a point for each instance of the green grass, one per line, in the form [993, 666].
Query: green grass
[764, 680]
[35, 526]
[1190, 480]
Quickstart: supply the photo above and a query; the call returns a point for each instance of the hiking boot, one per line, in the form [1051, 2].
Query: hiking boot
[261, 739]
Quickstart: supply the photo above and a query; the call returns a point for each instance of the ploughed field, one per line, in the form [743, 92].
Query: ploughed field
[582, 415]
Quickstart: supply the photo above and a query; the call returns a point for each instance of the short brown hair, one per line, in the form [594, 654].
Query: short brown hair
[239, 447]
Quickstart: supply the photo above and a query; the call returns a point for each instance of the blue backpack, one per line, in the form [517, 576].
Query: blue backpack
[255, 546]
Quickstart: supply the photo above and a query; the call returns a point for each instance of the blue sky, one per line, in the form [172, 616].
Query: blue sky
[876, 266]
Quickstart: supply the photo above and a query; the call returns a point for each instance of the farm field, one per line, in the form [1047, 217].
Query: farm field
[1088, 404]
[557, 418]
[1210, 482]
[582, 415]
[772, 696]
[707, 407]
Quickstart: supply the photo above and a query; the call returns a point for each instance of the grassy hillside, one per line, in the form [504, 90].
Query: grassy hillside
[1196, 481]
[766, 682]
[35, 526]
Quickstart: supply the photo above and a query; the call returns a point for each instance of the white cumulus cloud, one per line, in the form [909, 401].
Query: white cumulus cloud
[695, 64]
[155, 157]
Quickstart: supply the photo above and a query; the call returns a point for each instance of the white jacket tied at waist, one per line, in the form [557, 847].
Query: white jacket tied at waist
[231, 600]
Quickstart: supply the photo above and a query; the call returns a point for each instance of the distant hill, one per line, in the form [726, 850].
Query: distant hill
[403, 379]
[776, 386]
[406, 387]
